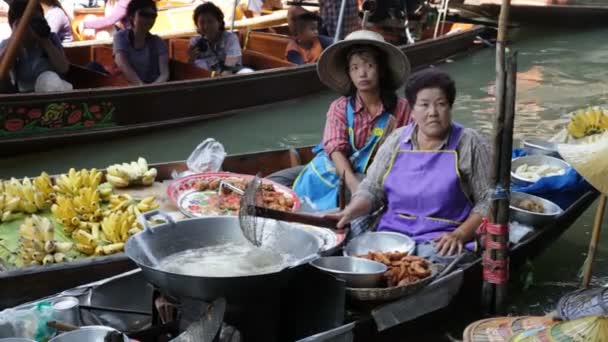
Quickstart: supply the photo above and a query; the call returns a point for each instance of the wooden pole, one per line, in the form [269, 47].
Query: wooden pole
[595, 238]
[15, 40]
[494, 291]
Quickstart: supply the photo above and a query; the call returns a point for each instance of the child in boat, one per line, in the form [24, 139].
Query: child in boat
[141, 56]
[40, 60]
[215, 49]
[307, 45]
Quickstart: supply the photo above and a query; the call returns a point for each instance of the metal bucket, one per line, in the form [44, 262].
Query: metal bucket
[94, 333]
[149, 247]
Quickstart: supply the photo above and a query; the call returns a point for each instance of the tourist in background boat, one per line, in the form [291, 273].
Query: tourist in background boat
[306, 46]
[432, 176]
[115, 15]
[40, 58]
[58, 19]
[367, 71]
[141, 56]
[215, 49]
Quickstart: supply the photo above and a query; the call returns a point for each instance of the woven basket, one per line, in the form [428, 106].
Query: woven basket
[592, 329]
[391, 293]
[501, 329]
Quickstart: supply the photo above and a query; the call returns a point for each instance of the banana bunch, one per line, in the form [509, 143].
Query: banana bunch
[585, 122]
[8, 204]
[80, 211]
[70, 184]
[125, 202]
[125, 174]
[44, 185]
[37, 244]
[105, 191]
[31, 200]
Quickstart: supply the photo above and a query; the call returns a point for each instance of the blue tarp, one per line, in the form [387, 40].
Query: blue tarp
[561, 190]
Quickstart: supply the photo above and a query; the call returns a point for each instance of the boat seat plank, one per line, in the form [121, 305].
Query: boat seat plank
[178, 49]
[259, 61]
[185, 71]
[83, 78]
[80, 55]
[269, 44]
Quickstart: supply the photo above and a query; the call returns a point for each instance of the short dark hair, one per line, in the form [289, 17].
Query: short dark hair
[430, 78]
[16, 10]
[136, 5]
[304, 19]
[209, 8]
[387, 91]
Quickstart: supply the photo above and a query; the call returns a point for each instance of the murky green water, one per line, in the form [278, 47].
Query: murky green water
[560, 71]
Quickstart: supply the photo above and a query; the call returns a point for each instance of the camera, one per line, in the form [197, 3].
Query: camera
[202, 45]
[40, 27]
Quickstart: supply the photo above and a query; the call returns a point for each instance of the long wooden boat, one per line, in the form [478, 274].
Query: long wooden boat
[104, 107]
[18, 286]
[541, 12]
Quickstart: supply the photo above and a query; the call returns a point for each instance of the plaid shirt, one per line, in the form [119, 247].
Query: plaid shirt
[335, 137]
[330, 11]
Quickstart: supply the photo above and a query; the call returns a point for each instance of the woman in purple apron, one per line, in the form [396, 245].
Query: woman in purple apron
[431, 177]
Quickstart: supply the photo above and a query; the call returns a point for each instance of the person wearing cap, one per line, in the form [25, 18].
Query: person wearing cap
[306, 45]
[431, 177]
[366, 71]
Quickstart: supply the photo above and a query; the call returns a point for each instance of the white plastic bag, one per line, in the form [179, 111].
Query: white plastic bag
[208, 156]
[27, 322]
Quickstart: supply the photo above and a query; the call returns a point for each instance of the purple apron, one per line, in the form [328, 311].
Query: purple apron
[423, 191]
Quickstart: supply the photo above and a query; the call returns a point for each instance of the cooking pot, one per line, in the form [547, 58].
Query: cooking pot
[152, 245]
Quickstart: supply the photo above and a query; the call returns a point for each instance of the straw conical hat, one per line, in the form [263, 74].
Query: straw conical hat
[590, 160]
[332, 66]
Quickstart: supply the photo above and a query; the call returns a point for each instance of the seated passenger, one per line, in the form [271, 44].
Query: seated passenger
[141, 56]
[307, 45]
[58, 19]
[431, 177]
[215, 49]
[40, 59]
[367, 71]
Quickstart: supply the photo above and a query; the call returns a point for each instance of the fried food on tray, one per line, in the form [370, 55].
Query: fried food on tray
[268, 196]
[403, 269]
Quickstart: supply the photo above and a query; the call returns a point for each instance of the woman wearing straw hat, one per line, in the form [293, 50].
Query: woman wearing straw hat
[366, 71]
[431, 177]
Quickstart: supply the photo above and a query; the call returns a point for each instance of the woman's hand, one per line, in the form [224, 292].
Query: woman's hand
[449, 244]
[359, 206]
[343, 217]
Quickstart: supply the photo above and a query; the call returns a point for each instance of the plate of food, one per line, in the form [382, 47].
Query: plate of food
[406, 274]
[200, 195]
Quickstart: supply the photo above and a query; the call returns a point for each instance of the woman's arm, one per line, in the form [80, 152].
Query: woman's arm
[233, 51]
[123, 64]
[453, 242]
[163, 64]
[343, 167]
[115, 16]
[295, 57]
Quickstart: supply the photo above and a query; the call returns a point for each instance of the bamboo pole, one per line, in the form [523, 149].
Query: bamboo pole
[493, 294]
[595, 239]
[16, 37]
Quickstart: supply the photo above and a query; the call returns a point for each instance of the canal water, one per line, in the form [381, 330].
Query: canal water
[559, 71]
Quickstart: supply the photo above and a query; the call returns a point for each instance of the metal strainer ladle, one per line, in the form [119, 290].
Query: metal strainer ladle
[250, 213]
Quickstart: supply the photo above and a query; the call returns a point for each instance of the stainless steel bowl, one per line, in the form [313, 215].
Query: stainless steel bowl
[536, 220]
[93, 333]
[379, 242]
[533, 161]
[537, 146]
[356, 272]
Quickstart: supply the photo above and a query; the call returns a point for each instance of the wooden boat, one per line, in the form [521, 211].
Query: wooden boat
[18, 286]
[104, 107]
[571, 13]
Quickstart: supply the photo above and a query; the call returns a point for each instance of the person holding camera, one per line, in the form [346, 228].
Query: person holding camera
[40, 58]
[142, 57]
[215, 49]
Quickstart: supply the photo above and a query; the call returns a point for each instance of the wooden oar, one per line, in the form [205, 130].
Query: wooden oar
[16, 37]
[595, 238]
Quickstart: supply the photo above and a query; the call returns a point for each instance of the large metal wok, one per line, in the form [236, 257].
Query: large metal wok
[149, 247]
